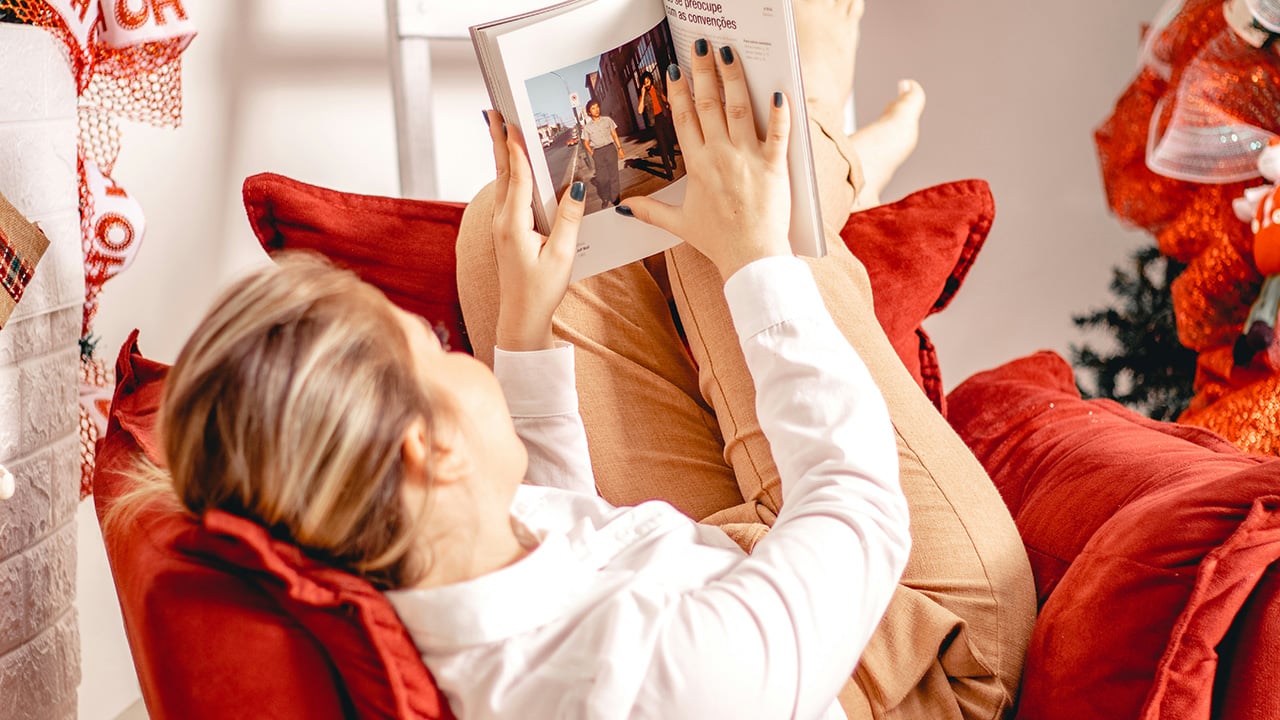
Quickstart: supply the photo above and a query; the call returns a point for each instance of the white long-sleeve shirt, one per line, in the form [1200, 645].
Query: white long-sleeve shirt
[639, 612]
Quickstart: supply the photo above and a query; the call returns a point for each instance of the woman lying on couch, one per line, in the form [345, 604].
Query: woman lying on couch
[306, 401]
[663, 425]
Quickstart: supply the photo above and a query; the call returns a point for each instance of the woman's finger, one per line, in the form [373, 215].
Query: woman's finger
[739, 119]
[777, 134]
[562, 243]
[706, 93]
[516, 208]
[501, 156]
[653, 212]
[683, 115]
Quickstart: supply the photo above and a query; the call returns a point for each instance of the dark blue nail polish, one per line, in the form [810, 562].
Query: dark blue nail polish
[673, 72]
[624, 211]
[578, 190]
[726, 54]
[777, 99]
[700, 47]
[486, 116]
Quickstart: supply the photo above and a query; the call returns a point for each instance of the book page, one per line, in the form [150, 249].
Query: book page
[577, 81]
[584, 83]
[762, 35]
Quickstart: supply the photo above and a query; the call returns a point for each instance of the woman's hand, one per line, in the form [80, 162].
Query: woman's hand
[533, 270]
[737, 206]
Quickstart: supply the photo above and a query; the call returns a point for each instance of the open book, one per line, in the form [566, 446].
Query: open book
[584, 83]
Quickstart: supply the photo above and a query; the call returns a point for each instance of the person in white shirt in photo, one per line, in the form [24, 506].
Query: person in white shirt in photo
[600, 134]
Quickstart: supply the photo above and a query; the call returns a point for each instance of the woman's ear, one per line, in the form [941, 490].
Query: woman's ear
[415, 450]
[437, 455]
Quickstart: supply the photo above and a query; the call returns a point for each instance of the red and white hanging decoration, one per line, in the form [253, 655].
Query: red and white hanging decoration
[126, 58]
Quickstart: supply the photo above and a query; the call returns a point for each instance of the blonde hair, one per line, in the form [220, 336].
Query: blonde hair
[289, 405]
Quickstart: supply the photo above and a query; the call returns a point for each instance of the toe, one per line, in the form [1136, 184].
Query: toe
[909, 104]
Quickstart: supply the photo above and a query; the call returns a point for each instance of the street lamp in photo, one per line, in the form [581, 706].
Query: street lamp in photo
[573, 104]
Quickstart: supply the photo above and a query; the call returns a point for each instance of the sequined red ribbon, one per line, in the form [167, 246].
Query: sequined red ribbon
[1216, 97]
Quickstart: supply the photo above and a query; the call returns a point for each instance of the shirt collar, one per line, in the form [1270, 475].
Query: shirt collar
[516, 599]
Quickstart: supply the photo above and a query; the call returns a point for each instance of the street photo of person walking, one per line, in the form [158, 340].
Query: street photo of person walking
[606, 121]
[600, 139]
[657, 115]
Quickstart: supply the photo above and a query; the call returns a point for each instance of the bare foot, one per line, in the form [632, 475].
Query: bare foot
[827, 32]
[885, 144]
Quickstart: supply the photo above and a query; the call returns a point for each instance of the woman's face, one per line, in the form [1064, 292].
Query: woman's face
[483, 416]
[646, 80]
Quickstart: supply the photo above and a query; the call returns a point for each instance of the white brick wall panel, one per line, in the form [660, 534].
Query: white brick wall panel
[68, 634]
[41, 581]
[30, 337]
[65, 258]
[39, 640]
[66, 322]
[54, 581]
[16, 629]
[39, 680]
[49, 387]
[10, 409]
[61, 330]
[24, 337]
[38, 167]
[28, 515]
[47, 89]
[64, 479]
[69, 710]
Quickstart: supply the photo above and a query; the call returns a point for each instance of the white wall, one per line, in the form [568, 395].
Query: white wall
[301, 87]
[1015, 91]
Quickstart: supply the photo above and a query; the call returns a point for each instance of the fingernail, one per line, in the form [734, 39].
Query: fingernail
[673, 72]
[578, 190]
[485, 113]
[700, 47]
[904, 86]
[726, 54]
[624, 211]
[777, 99]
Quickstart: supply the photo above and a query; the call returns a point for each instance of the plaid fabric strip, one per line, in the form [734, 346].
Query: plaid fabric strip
[15, 272]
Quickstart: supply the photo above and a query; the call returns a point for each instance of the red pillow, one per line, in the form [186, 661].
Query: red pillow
[224, 620]
[403, 247]
[1146, 540]
[1248, 678]
[917, 251]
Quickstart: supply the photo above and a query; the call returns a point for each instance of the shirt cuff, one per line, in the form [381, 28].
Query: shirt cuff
[771, 291]
[538, 383]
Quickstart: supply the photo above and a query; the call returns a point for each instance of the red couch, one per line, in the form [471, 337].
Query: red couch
[1154, 546]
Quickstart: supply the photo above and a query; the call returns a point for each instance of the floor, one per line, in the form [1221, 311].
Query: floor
[136, 711]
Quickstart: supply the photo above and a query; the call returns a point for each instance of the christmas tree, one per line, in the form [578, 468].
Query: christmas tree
[1151, 372]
